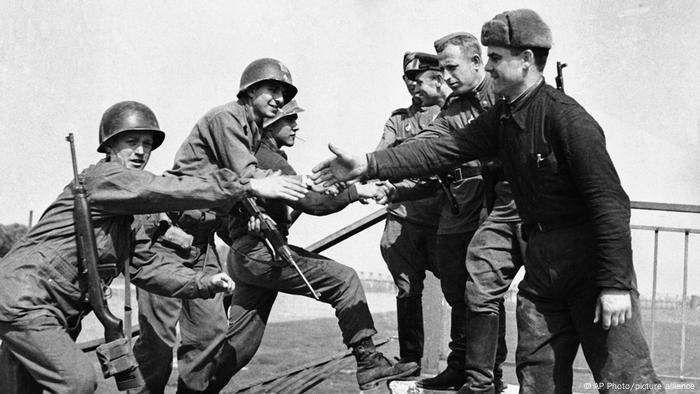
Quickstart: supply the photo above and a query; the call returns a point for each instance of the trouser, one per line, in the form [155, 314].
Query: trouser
[555, 311]
[409, 250]
[495, 254]
[451, 254]
[258, 280]
[201, 321]
[39, 354]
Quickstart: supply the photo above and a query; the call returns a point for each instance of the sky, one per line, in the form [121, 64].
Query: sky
[631, 63]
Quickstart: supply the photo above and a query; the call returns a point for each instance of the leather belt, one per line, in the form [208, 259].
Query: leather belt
[465, 171]
[547, 227]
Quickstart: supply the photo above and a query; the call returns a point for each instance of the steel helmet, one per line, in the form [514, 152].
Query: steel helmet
[127, 116]
[289, 109]
[267, 69]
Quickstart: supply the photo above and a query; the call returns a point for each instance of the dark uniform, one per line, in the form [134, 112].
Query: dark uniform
[408, 240]
[494, 256]
[259, 278]
[576, 217]
[41, 301]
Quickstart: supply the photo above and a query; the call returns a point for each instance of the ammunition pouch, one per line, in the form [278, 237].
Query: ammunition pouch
[170, 235]
[116, 359]
[177, 238]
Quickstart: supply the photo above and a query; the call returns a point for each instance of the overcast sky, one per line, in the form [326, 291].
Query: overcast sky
[632, 64]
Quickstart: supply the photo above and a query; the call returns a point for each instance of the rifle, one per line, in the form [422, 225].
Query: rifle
[115, 356]
[560, 77]
[274, 240]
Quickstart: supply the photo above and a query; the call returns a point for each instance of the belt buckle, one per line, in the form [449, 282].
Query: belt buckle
[458, 174]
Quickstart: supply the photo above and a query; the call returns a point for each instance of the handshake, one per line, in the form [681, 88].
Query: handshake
[381, 192]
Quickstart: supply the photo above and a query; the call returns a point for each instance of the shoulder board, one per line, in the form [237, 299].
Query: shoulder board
[400, 111]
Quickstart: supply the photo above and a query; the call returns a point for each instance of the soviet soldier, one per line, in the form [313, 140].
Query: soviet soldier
[42, 299]
[408, 240]
[260, 276]
[580, 285]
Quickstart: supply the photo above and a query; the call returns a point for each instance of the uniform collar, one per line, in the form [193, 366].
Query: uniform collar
[481, 97]
[514, 109]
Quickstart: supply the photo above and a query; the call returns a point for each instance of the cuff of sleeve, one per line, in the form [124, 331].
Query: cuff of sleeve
[353, 195]
[371, 166]
[203, 286]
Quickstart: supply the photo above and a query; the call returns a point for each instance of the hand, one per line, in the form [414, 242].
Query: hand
[278, 186]
[254, 223]
[613, 307]
[220, 283]
[342, 167]
[368, 191]
[386, 193]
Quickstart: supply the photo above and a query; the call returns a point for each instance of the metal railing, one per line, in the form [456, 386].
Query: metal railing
[379, 215]
[684, 291]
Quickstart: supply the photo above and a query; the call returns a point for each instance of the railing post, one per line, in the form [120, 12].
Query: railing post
[435, 311]
[684, 305]
[653, 291]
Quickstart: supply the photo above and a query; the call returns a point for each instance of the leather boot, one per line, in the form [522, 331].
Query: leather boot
[373, 368]
[449, 379]
[501, 350]
[458, 337]
[409, 320]
[482, 334]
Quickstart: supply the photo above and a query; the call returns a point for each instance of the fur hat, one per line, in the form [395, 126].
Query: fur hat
[521, 28]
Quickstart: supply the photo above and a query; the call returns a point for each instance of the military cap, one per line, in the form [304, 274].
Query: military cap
[407, 57]
[289, 109]
[521, 28]
[421, 62]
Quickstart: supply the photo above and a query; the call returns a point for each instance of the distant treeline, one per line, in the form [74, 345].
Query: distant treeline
[9, 234]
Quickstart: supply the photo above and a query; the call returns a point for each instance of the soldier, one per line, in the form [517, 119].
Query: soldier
[260, 277]
[41, 300]
[408, 241]
[580, 285]
[225, 137]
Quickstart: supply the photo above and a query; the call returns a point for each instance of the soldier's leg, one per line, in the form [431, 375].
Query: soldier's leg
[451, 251]
[405, 254]
[340, 287]
[153, 349]
[493, 259]
[46, 351]
[617, 357]
[547, 338]
[201, 320]
[14, 377]
[214, 366]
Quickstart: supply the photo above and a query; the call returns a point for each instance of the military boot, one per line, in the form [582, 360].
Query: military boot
[409, 319]
[449, 379]
[373, 368]
[482, 334]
